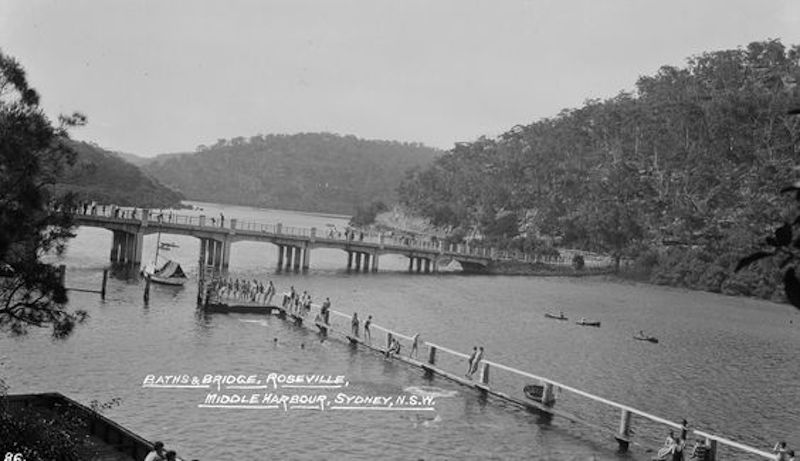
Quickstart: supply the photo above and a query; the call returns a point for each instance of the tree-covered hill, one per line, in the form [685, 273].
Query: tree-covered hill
[681, 173]
[102, 176]
[308, 171]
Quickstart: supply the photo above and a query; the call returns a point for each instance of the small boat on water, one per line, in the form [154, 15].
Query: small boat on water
[556, 317]
[170, 273]
[588, 323]
[534, 392]
[641, 337]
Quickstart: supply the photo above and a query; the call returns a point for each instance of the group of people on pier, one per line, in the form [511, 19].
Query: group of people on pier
[474, 360]
[253, 291]
[297, 304]
[158, 453]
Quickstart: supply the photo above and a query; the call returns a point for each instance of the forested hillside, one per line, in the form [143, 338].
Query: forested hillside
[102, 176]
[309, 171]
[681, 173]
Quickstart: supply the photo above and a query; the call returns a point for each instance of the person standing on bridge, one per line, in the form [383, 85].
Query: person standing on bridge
[325, 311]
[471, 360]
[221, 219]
[476, 362]
[367, 333]
[354, 324]
[414, 346]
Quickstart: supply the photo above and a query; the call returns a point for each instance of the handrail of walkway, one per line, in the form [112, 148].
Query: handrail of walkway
[643, 414]
[624, 408]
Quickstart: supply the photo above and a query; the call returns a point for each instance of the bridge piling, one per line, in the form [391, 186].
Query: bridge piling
[203, 251]
[349, 260]
[624, 436]
[226, 252]
[358, 261]
[366, 262]
[297, 258]
[410, 263]
[280, 256]
[306, 257]
[289, 249]
[375, 262]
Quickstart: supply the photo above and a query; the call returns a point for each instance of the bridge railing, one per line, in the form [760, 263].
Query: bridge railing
[428, 244]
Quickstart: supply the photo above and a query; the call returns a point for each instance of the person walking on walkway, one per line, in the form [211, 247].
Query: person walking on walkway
[157, 454]
[471, 360]
[367, 333]
[477, 361]
[326, 311]
[354, 324]
[414, 346]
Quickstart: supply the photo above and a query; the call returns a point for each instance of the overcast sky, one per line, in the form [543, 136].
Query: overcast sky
[165, 76]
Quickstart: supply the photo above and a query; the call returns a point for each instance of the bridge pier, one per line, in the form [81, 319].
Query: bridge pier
[280, 256]
[288, 257]
[226, 251]
[366, 262]
[126, 247]
[358, 261]
[349, 260]
[427, 266]
[410, 263]
[419, 265]
[217, 255]
[306, 257]
[375, 262]
[297, 256]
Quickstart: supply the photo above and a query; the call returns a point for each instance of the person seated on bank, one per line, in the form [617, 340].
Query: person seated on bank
[394, 348]
[669, 445]
[700, 451]
[781, 451]
[157, 454]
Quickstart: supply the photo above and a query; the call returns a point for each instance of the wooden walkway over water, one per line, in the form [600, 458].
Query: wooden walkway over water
[441, 361]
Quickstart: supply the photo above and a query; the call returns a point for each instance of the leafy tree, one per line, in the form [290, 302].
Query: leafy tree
[681, 170]
[33, 221]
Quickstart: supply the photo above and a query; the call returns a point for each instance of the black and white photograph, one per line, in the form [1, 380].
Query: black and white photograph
[417, 230]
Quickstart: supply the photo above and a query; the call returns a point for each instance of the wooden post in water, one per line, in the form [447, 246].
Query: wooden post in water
[548, 395]
[712, 450]
[432, 355]
[105, 282]
[485, 374]
[146, 289]
[623, 438]
[388, 341]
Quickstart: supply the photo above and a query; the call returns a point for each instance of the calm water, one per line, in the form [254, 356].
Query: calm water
[728, 365]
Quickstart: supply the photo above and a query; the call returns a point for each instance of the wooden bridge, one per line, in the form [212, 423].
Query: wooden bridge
[294, 243]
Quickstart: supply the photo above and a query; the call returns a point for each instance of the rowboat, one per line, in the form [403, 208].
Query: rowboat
[534, 392]
[554, 316]
[652, 339]
[585, 323]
